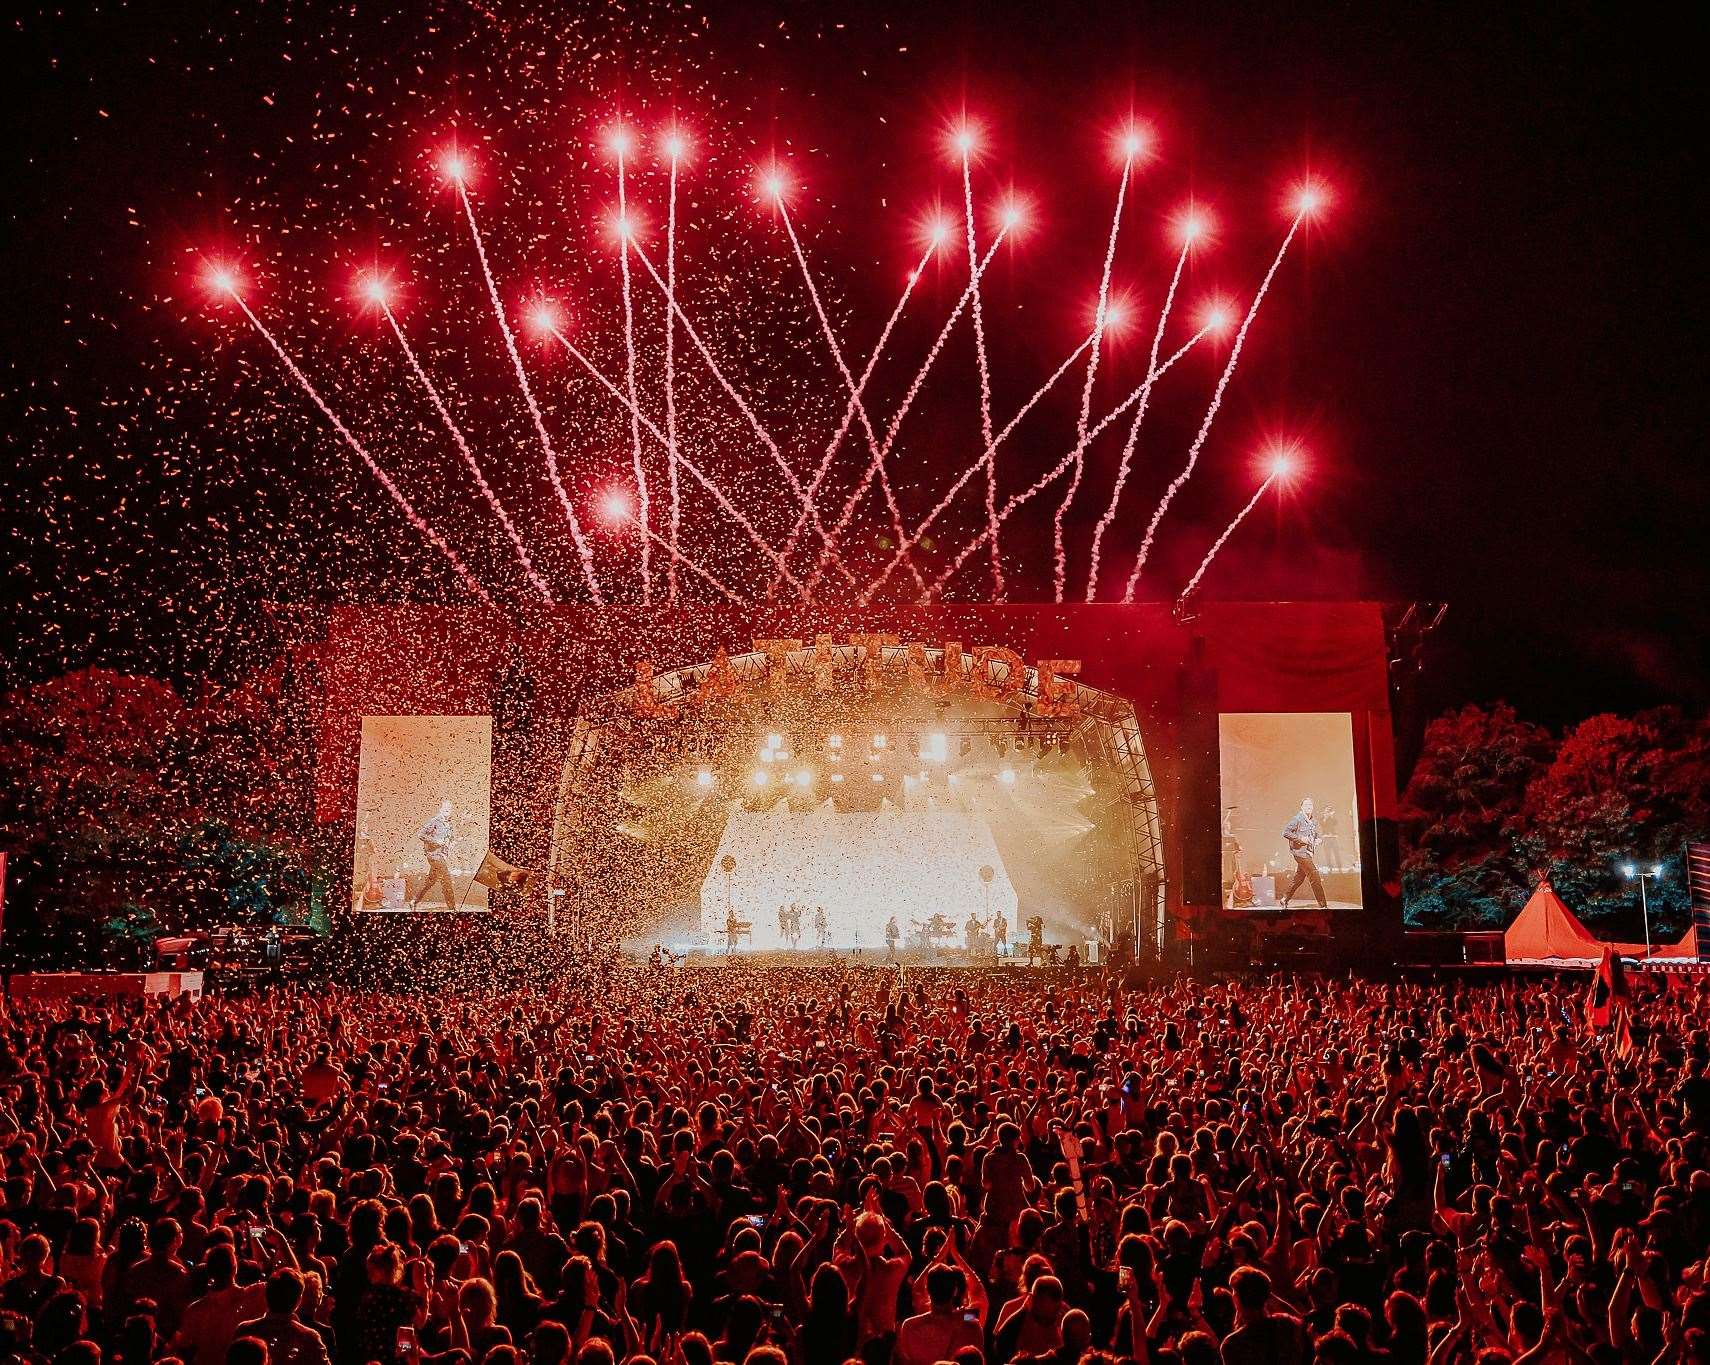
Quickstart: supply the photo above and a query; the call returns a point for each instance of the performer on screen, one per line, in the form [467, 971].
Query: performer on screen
[435, 836]
[1000, 935]
[1302, 835]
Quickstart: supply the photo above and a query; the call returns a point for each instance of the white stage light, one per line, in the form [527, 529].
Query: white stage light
[837, 777]
[1007, 776]
[760, 777]
[774, 741]
[704, 777]
[879, 741]
[878, 777]
[803, 777]
[834, 741]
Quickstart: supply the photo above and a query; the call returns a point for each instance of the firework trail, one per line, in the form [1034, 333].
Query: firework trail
[671, 375]
[462, 444]
[582, 548]
[1228, 531]
[914, 389]
[985, 384]
[984, 462]
[1124, 465]
[730, 509]
[677, 556]
[1050, 476]
[414, 517]
[1059, 552]
[854, 400]
[1211, 411]
[736, 398]
[848, 378]
[629, 378]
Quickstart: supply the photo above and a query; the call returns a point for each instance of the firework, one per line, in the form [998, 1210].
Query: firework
[1281, 468]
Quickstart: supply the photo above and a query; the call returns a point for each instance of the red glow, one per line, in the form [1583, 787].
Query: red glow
[1217, 316]
[544, 318]
[454, 166]
[1133, 142]
[1120, 311]
[1192, 226]
[1308, 198]
[964, 139]
[1014, 215]
[615, 507]
[221, 280]
[674, 144]
[773, 185]
[1282, 462]
[376, 289]
[619, 140]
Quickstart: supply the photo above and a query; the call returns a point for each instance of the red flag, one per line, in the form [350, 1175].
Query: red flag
[1608, 991]
[1625, 1047]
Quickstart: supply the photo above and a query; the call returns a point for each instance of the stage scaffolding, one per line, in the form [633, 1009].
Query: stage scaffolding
[1106, 730]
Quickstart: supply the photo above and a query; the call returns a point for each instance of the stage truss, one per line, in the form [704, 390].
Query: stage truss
[1104, 728]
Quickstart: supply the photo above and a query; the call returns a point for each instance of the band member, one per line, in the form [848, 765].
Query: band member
[732, 929]
[1302, 835]
[892, 934]
[783, 924]
[1329, 839]
[1000, 935]
[1231, 846]
[971, 932]
[1035, 939]
[821, 930]
[435, 836]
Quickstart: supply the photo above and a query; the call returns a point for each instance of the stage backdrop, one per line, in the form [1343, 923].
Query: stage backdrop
[534, 669]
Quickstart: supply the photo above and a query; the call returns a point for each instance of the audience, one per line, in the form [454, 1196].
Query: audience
[778, 1166]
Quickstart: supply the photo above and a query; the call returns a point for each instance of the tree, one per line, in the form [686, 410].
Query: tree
[127, 809]
[1467, 862]
[1623, 789]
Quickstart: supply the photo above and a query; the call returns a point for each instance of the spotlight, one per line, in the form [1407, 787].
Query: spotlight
[834, 741]
[1007, 777]
[803, 777]
[704, 777]
[879, 741]
[761, 777]
[838, 777]
[878, 777]
[774, 742]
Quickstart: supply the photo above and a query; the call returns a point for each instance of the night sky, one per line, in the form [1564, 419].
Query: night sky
[1487, 347]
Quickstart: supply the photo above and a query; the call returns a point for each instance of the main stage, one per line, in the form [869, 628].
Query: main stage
[1113, 770]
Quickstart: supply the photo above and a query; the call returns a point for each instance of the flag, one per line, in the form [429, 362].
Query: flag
[495, 872]
[1608, 991]
[1625, 1048]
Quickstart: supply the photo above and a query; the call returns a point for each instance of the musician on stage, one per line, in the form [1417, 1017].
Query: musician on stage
[822, 933]
[435, 836]
[971, 932]
[1000, 935]
[892, 934]
[1302, 835]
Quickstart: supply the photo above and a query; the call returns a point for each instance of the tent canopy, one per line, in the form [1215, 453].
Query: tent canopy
[1546, 930]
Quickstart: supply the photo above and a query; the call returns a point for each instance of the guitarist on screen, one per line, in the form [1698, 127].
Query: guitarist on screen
[1302, 835]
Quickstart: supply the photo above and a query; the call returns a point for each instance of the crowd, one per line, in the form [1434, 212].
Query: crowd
[767, 1166]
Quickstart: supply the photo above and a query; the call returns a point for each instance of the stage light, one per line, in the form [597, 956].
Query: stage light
[938, 747]
[803, 777]
[879, 741]
[704, 777]
[878, 777]
[774, 741]
[1007, 776]
[834, 741]
[838, 777]
[1628, 870]
[761, 777]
